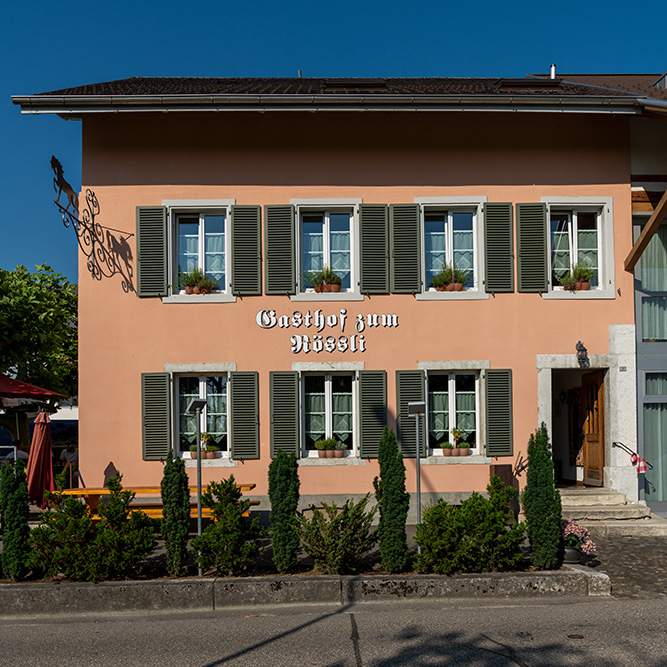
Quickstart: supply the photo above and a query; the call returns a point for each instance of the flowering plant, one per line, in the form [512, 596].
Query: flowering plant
[578, 537]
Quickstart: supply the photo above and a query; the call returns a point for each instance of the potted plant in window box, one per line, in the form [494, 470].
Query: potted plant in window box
[459, 277]
[193, 451]
[190, 280]
[567, 281]
[463, 448]
[321, 447]
[339, 451]
[212, 451]
[582, 274]
[447, 448]
[206, 285]
[443, 279]
[324, 280]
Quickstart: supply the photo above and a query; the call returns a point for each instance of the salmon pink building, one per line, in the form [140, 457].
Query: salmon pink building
[261, 182]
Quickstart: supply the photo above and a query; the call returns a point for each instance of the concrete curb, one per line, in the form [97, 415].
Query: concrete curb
[211, 594]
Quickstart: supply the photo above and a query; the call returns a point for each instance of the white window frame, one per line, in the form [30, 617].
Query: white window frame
[328, 206]
[603, 206]
[176, 444]
[475, 204]
[451, 373]
[313, 453]
[177, 208]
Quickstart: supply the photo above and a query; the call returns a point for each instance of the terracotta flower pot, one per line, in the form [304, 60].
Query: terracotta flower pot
[338, 453]
[450, 287]
[446, 451]
[196, 290]
[441, 288]
[582, 286]
[318, 288]
[193, 455]
[458, 287]
[210, 455]
[464, 451]
[329, 453]
[188, 289]
[456, 451]
[322, 453]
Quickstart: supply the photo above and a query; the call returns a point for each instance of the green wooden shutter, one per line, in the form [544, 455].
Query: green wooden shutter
[373, 408]
[531, 232]
[405, 248]
[246, 251]
[155, 416]
[244, 415]
[285, 424]
[151, 251]
[279, 250]
[409, 389]
[374, 249]
[499, 247]
[499, 432]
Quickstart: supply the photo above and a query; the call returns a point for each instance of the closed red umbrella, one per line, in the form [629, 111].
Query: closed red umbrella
[40, 463]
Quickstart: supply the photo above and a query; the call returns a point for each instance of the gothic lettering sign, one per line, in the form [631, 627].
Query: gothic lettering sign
[325, 333]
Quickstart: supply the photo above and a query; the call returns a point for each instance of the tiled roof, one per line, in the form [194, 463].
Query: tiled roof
[638, 84]
[152, 86]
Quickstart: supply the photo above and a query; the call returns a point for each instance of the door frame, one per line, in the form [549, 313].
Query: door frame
[588, 443]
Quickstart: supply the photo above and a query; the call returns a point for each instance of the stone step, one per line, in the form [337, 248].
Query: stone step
[589, 497]
[655, 526]
[582, 513]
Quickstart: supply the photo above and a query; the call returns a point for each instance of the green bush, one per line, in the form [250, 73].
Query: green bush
[68, 543]
[337, 539]
[65, 541]
[479, 536]
[15, 531]
[284, 499]
[393, 502]
[229, 544]
[543, 504]
[175, 491]
[6, 483]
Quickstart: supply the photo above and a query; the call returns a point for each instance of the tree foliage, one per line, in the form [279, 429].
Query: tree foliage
[38, 328]
[543, 504]
[393, 502]
[175, 513]
[284, 499]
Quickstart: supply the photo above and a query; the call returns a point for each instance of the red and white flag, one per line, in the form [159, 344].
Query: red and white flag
[639, 462]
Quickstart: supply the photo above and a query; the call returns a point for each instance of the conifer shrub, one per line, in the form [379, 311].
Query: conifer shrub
[15, 531]
[393, 502]
[479, 536]
[230, 544]
[338, 538]
[543, 503]
[6, 482]
[175, 491]
[284, 498]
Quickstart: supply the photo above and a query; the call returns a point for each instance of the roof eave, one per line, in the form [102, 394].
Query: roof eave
[88, 104]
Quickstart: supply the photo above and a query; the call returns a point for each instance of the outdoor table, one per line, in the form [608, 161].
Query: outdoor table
[92, 495]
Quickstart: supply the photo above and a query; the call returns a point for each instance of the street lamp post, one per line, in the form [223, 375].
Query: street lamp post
[417, 409]
[195, 407]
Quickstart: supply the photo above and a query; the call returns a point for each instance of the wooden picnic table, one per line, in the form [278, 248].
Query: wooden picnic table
[92, 495]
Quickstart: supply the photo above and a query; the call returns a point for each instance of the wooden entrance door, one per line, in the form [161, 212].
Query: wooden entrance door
[592, 398]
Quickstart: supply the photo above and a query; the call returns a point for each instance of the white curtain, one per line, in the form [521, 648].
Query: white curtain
[655, 450]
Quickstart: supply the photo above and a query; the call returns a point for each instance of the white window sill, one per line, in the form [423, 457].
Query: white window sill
[345, 461]
[327, 296]
[199, 298]
[464, 295]
[580, 294]
[223, 462]
[439, 460]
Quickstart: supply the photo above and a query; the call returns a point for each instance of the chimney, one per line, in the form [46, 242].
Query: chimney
[553, 72]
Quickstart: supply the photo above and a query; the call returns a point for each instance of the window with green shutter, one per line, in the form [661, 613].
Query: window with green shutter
[244, 415]
[405, 248]
[279, 250]
[531, 230]
[499, 247]
[373, 411]
[151, 251]
[409, 389]
[246, 251]
[284, 411]
[374, 248]
[499, 425]
[155, 416]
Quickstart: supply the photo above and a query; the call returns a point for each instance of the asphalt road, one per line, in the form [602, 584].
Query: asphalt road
[589, 632]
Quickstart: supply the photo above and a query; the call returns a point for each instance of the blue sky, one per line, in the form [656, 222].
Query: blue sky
[46, 46]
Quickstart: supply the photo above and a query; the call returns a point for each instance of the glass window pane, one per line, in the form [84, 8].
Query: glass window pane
[654, 318]
[560, 246]
[314, 409]
[655, 450]
[214, 248]
[435, 256]
[188, 388]
[341, 409]
[654, 263]
[188, 244]
[466, 407]
[656, 384]
[312, 244]
[438, 410]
